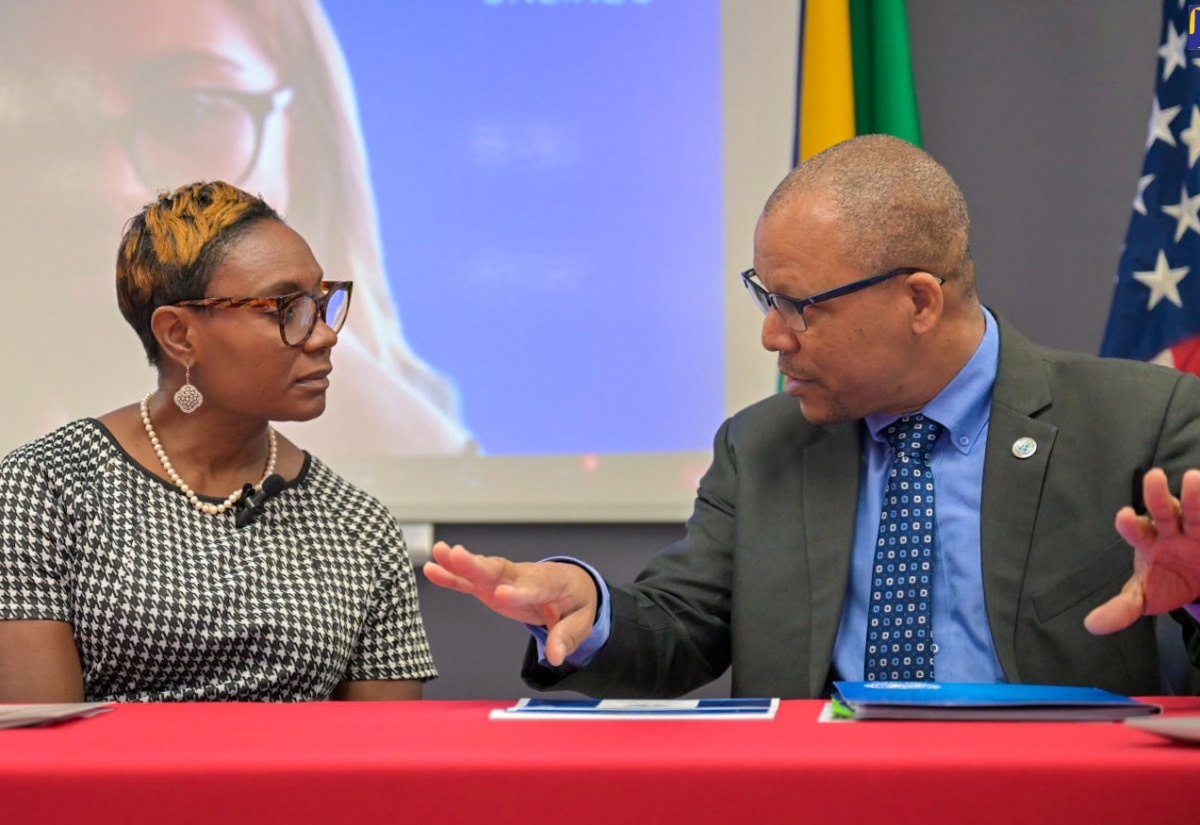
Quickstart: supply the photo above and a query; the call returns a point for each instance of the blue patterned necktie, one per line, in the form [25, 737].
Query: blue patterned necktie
[900, 616]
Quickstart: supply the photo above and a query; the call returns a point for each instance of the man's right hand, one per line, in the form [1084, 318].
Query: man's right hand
[559, 596]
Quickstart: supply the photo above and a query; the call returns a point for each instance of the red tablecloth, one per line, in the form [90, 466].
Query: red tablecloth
[437, 762]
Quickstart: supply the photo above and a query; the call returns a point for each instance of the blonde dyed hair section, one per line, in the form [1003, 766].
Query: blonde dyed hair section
[170, 250]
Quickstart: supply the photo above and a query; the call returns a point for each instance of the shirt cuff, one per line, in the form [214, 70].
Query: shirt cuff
[601, 627]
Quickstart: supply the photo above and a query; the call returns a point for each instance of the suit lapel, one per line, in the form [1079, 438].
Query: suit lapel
[1012, 486]
[831, 469]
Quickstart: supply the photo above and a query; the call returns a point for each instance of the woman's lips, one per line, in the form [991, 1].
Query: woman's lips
[316, 381]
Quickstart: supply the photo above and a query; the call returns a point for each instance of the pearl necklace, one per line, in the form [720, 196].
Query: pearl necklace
[203, 506]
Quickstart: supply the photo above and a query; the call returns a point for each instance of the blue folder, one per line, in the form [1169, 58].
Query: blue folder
[970, 701]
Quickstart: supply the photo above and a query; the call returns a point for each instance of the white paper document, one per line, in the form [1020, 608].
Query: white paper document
[658, 709]
[20, 716]
[1178, 728]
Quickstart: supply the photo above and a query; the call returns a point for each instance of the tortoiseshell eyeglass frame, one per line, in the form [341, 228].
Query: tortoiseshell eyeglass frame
[278, 303]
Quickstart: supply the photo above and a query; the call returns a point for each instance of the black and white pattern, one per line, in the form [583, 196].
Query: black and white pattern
[170, 604]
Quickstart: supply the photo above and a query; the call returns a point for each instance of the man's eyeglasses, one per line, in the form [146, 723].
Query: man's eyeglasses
[297, 311]
[792, 309]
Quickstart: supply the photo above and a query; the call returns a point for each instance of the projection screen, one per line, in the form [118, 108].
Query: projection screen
[543, 206]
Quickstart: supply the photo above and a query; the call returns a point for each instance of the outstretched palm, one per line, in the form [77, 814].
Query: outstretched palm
[560, 597]
[1166, 562]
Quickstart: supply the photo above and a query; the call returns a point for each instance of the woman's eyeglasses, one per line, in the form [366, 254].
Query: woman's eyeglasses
[197, 134]
[297, 311]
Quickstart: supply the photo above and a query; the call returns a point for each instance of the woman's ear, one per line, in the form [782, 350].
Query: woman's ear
[173, 331]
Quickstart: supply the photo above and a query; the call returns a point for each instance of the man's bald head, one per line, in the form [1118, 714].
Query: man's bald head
[895, 205]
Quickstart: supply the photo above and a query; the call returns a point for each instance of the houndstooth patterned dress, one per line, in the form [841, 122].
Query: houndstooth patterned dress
[170, 604]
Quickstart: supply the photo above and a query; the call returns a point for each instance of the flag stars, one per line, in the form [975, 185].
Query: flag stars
[1139, 204]
[1160, 124]
[1191, 137]
[1172, 51]
[1184, 213]
[1163, 281]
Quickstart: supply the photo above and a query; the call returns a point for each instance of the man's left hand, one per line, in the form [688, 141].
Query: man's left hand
[1166, 554]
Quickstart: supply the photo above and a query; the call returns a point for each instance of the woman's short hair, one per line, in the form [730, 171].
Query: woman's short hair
[172, 248]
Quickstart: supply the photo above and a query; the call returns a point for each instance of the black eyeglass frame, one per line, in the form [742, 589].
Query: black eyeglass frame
[766, 301]
[278, 303]
[258, 105]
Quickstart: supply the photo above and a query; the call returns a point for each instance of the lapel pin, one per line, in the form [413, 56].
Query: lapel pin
[1024, 447]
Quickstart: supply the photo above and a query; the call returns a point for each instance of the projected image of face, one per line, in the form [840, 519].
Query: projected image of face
[148, 94]
[104, 103]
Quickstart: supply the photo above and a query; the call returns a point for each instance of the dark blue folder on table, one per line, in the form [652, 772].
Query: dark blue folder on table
[969, 701]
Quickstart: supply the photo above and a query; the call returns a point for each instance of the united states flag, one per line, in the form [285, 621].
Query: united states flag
[1156, 305]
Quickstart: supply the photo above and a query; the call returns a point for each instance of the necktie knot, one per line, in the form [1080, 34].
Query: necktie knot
[912, 437]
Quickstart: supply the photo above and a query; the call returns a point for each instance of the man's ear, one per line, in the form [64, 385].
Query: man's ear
[173, 329]
[929, 302]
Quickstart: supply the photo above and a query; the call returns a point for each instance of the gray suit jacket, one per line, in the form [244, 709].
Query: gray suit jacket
[759, 580]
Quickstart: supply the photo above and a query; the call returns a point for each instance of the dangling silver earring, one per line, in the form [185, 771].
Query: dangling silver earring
[188, 398]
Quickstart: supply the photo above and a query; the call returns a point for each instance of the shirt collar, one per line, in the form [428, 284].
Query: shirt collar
[964, 406]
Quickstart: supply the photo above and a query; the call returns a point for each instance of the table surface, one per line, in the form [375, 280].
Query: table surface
[352, 762]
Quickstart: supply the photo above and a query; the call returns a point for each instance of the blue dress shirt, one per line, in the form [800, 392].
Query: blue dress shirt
[963, 649]
[962, 637]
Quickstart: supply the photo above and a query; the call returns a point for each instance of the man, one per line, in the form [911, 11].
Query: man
[821, 546]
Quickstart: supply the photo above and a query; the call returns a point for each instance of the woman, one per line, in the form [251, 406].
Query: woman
[136, 564]
[103, 103]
